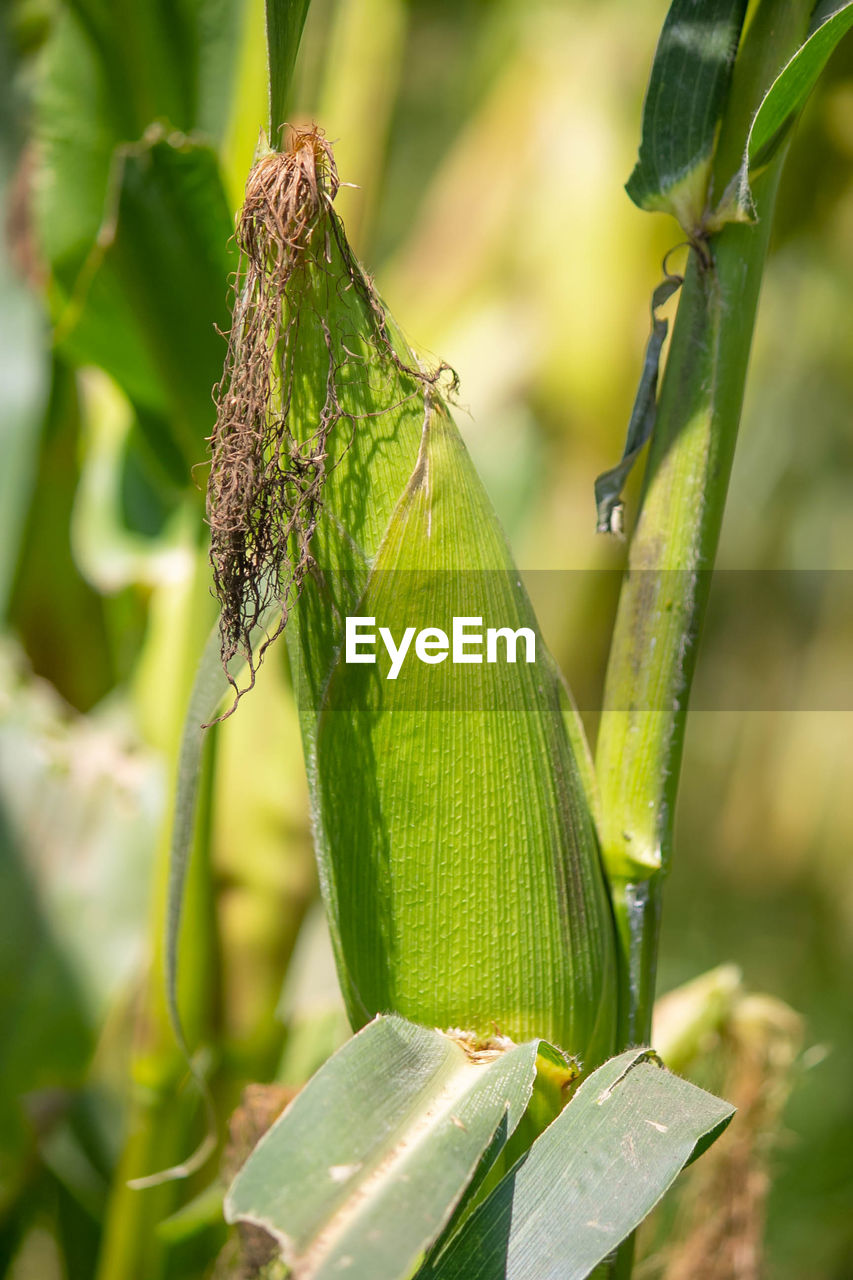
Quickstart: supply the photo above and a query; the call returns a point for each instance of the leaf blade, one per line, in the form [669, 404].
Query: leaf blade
[211, 684]
[787, 95]
[285, 20]
[590, 1179]
[684, 104]
[145, 305]
[370, 1160]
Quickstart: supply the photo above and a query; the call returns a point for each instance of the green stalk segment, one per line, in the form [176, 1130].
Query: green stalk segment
[674, 544]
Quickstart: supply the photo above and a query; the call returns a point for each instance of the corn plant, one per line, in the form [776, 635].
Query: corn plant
[492, 885]
[461, 827]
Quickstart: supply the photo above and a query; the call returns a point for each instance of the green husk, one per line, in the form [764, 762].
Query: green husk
[458, 855]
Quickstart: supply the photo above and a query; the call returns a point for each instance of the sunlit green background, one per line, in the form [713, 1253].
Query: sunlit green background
[487, 143]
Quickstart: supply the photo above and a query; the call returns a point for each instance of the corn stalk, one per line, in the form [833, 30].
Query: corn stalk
[674, 544]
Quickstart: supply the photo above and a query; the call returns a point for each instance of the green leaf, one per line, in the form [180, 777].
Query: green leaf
[25, 379]
[364, 1168]
[131, 214]
[209, 689]
[127, 523]
[76, 134]
[787, 95]
[211, 686]
[146, 303]
[590, 1179]
[165, 59]
[24, 360]
[684, 104]
[789, 92]
[61, 620]
[112, 68]
[285, 20]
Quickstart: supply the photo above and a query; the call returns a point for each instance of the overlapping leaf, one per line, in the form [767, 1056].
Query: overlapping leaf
[590, 1179]
[462, 867]
[366, 1166]
[364, 1169]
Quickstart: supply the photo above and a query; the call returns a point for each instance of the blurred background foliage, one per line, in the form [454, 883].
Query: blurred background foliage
[487, 144]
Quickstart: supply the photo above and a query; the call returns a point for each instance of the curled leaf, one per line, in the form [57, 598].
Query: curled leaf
[609, 485]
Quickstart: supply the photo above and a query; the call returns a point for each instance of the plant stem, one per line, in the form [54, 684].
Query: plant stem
[674, 545]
